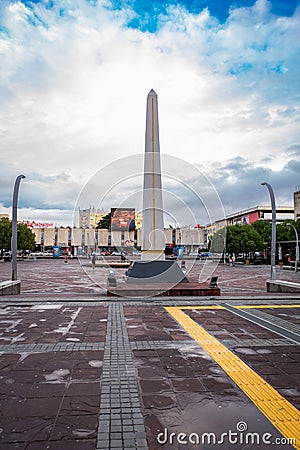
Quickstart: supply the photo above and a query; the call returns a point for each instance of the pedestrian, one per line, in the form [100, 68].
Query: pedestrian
[230, 260]
[93, 261]
[233, 260]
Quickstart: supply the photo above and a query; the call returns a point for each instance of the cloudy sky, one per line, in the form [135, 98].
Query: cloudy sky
[74, 77]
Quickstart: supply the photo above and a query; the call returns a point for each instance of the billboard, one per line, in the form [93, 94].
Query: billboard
[122, 219]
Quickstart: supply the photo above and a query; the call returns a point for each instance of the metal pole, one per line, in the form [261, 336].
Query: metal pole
[273, 236]
[14, 236]
[297, 246]
[224, 247]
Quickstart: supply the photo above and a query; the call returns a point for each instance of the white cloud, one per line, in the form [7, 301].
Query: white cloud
[74, 85]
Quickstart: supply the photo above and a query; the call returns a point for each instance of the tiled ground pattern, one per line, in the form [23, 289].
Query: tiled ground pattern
[63, 323]
[151, 323]
[183, 389]
[66, 365]
[278, 365]
[50, 389]
[121, 423]
[51, 277]
[285, 314]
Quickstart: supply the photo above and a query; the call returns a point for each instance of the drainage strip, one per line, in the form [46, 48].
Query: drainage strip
[121, 423]
[282, 327]
[275, 320]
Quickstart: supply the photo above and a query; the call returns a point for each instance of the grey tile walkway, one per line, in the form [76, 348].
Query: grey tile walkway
[121, 423]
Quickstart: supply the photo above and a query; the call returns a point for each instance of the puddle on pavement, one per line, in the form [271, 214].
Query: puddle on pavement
[43, 307]
[57, 376]
[245, 351]
[199, 414]
[95, 363]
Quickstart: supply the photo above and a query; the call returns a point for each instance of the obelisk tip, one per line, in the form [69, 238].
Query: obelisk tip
[152, 92]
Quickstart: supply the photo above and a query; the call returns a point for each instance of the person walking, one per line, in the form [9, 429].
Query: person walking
[233, 260]
[93, 261]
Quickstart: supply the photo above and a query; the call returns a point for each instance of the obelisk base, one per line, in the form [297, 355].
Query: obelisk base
[155, 272]
[152, 255]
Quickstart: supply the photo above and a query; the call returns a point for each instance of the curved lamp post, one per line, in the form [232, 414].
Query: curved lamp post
[14, 236]
[224, 246]
[297, 245]
[273, 235]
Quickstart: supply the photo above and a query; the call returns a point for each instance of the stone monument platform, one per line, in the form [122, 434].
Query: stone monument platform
[163, 290]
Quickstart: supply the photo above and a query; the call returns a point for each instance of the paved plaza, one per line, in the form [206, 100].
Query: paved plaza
[80, 370]
[50, 276]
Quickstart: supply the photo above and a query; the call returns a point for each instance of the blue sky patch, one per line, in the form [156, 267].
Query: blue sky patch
[148, 11]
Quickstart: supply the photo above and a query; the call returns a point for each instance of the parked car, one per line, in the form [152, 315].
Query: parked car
[204, 255]
[7, 256]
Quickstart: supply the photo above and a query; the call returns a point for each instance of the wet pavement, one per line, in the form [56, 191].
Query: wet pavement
[51, 276]
[78, 370]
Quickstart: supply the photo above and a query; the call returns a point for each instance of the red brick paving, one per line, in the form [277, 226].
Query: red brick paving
[43, 276]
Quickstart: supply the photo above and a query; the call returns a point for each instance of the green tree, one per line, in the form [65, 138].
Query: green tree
[218, 241]
[104, 222]
[26, 238]
[243, 239]
[284, 232]
[5, 235]
[264, 229]
[286, 236]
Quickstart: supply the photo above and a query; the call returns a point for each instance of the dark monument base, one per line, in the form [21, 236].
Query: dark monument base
[163, 290]
[158, 271]
[158, 279]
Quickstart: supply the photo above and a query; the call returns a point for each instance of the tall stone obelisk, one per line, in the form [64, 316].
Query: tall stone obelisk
[153, 238]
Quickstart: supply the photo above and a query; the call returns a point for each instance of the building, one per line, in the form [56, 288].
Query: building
[89, 218]
[87, 240]
[251, 215]
[297, 203]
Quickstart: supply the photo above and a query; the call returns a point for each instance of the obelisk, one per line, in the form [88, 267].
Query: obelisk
[153, 268]
[153, 238]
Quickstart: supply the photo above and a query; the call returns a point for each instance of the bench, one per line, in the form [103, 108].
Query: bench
[10, 287]
[282, 286]
[213, 282]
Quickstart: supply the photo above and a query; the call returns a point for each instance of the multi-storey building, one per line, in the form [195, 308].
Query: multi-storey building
[297, 203]
[89, 218]
[251, 215]
[87, 240]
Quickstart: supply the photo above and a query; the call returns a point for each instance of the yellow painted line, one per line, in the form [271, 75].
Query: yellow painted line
[267, 306]
[239, 306]
[203, 307]
[281, 413]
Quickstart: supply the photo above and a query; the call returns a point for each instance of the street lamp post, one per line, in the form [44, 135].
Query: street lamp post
[14, 236]
[273, 235]
[297, 246]
[224, 247]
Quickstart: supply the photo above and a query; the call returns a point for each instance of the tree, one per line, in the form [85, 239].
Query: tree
[217, 243]
[104, 222]
[243, 239]
[264, 229]
[285, 235]
[5, 235]
[26, 238]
